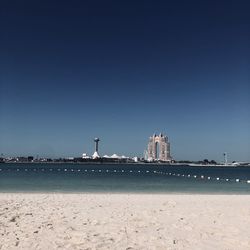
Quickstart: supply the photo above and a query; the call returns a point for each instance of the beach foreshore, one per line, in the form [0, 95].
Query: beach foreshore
[124, 221]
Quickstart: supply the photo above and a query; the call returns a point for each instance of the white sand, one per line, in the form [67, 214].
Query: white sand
[124, 221]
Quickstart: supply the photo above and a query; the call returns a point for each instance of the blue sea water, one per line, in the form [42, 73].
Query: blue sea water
[123, 178]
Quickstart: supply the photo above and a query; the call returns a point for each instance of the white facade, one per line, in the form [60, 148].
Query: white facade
[159, 148]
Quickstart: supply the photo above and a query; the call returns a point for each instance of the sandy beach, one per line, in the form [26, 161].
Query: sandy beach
[124, 221]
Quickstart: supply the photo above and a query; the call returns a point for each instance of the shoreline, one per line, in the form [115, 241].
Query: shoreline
[123, 193]
[132, 163]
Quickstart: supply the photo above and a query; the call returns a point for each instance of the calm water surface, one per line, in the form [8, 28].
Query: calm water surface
[117, 178]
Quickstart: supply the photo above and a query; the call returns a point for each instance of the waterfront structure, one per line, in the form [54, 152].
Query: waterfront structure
[85, 156]
[158, 148]
[96, 155]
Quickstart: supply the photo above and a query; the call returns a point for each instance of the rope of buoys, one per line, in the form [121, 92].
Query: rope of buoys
[202, 177]
[131, 171]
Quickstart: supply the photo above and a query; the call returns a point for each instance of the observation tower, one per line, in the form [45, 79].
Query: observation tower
[96, 155]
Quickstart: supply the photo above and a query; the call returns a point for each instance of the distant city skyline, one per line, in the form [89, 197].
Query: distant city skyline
[89, 153]
[121, 71]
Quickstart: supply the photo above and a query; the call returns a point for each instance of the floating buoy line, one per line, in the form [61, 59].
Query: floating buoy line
[173, 174]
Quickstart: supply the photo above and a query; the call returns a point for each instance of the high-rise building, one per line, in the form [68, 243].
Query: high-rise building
[159, 148]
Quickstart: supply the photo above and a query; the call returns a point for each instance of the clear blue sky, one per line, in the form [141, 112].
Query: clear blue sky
[123, 70]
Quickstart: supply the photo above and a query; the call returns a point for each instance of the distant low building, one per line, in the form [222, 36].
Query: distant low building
[30, 158]
[85, 156]
[135, 159]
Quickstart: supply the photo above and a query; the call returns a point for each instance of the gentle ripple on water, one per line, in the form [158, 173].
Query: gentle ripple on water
[123, 178]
